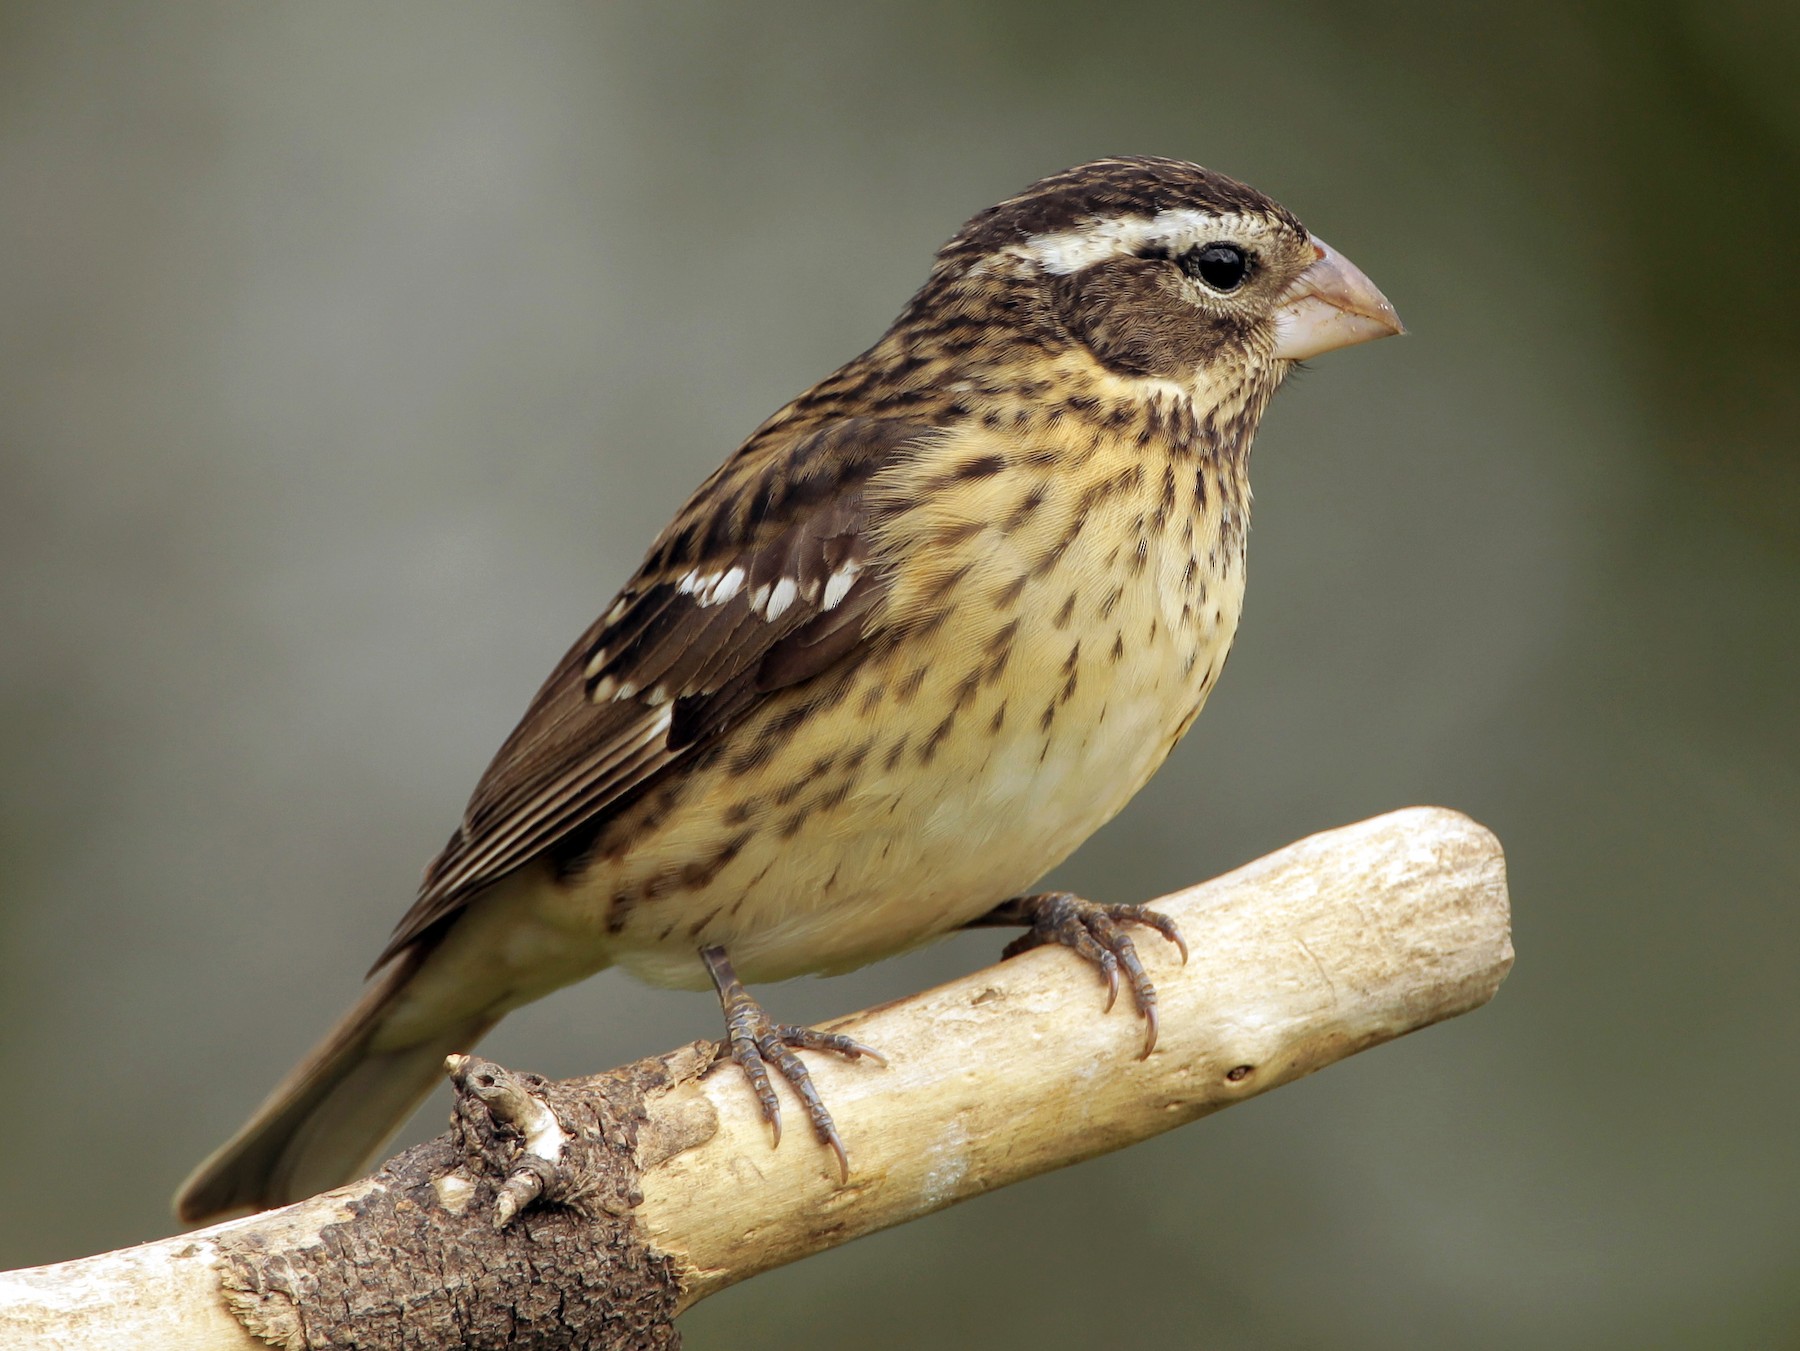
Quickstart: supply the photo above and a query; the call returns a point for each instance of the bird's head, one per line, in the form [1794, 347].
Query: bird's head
[1164, 271]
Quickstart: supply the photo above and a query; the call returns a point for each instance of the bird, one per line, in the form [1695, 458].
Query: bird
[926, 629]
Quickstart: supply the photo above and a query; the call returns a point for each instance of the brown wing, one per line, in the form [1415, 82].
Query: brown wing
[763, 580]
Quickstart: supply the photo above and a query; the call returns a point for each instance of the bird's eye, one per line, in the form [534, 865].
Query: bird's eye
[1221, 266]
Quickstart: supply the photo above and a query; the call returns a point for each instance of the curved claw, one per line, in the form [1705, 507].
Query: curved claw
[758, 1045]
[811, 1039]
[843, 1158]
[1096, 932]
[1164, 926]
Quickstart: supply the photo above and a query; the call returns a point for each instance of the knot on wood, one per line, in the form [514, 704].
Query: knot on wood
[509, 1131]
[513, 1230]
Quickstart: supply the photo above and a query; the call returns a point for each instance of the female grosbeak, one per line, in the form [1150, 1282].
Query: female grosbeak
[926, 630]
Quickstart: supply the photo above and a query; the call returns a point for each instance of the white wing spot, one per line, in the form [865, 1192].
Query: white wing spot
[726, 587]
[840, 582]
[781, 598]
[604, 688]
[710, 588]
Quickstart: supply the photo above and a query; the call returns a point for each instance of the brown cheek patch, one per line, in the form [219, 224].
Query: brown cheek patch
[1122, 312]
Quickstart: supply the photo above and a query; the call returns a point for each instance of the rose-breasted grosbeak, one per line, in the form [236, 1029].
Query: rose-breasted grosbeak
[927, 629]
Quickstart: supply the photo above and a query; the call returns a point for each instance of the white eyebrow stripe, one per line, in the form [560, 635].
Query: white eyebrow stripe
[1176, 230]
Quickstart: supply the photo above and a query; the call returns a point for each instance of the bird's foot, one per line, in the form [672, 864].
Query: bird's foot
[758, 1044]
[1096, 932]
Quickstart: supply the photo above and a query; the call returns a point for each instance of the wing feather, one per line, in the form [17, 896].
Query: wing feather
[764, 580]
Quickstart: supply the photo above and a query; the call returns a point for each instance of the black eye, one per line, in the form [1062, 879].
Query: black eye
[1221, 266]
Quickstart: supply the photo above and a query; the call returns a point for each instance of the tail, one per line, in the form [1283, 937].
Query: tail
[327, 1120]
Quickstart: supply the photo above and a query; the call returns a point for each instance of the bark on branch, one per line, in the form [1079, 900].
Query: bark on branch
[663, 1187]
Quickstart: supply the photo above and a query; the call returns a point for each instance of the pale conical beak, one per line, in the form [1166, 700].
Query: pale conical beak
[1331, 305]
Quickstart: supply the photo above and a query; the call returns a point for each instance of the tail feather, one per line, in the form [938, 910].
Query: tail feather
[327, 1120]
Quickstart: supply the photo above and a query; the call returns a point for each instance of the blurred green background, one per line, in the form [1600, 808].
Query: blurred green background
[350, 354]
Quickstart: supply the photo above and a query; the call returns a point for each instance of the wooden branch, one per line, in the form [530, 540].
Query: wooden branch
[666, 1188]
